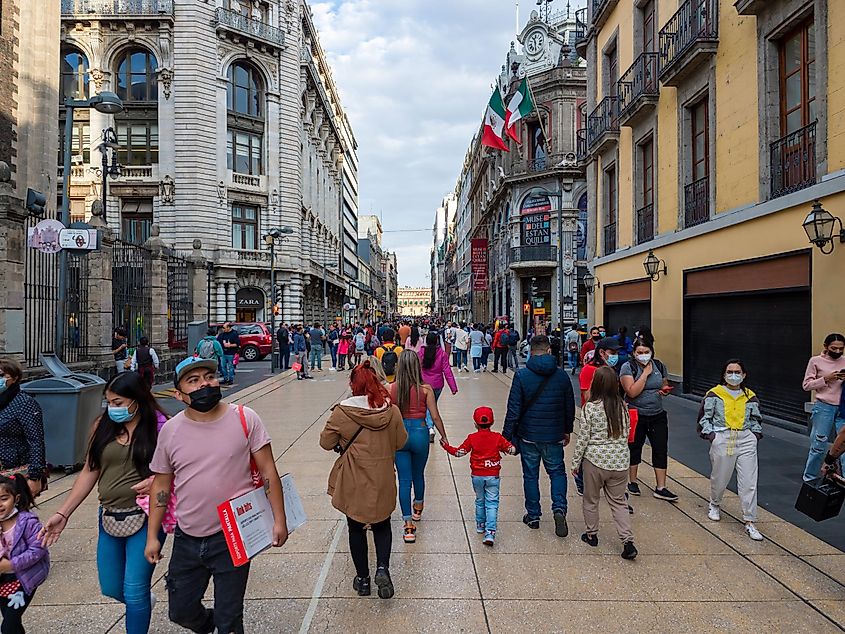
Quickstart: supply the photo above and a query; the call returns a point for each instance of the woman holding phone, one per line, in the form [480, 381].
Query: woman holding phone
[825, 375]
[646, 381]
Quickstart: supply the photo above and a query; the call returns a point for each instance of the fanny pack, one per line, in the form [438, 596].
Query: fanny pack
[123, 522]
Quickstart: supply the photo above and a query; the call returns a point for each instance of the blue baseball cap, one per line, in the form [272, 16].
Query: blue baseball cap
[189, 364]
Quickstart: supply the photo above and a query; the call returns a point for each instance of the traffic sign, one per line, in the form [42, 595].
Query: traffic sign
[78, 239]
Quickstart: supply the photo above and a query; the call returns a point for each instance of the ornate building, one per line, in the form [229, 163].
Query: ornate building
[414, 302]
[232, 126]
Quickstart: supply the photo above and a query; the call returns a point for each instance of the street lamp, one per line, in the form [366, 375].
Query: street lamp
[591, 283]
[107, 103]
[652, 266]
[820, 226]
[273, 235]
[109, 143]
[209, 267]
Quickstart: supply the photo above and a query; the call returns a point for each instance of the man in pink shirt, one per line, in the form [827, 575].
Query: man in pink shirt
[205, 452]
[825, 374]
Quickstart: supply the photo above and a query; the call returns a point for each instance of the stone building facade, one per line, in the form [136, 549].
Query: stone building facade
[232, 126]
[414, 301]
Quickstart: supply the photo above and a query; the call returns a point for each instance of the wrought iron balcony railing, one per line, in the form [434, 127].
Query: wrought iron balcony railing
[538, 164]
[696, 21]
[540, 253]
[248, 26]
[582, 22]
[639, 81]
[604, 119]
[645, 224]
[117, 8]
[697, 202]
[793, 161]
[581, 153]
[609, 238]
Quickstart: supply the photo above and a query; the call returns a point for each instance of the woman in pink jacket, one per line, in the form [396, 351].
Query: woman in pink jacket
[436, 371]
[343, 349]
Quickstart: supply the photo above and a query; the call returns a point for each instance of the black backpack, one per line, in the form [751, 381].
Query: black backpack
[389, 359]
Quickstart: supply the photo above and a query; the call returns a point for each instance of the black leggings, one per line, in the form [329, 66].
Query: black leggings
[358, 545]
[656, 428]
[12, 617]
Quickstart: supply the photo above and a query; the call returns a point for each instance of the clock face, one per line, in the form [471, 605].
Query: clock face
[534, 44]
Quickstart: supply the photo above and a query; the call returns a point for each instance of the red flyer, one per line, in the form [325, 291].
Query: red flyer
[247, 523]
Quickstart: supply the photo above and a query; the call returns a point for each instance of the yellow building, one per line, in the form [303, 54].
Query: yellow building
[414, 302]
[711, 128]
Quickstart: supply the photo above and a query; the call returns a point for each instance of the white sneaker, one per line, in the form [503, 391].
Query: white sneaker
[714, 513]
[153, 600]
[332, 369]
[753, 533]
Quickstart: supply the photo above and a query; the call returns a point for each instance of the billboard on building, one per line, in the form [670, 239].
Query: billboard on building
[535, 214]
[479, 248]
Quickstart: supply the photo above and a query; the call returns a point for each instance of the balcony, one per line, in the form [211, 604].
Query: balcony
[793, 161]
[609, 239]
[601, 10]
[237, 27]
[750, 7]
[688, 40]
[245, 258]
[540, 256]
[603, 125]
[581, 154]
[639, 89]
[582, 28]
[125, 9]
[138, 172]
[645, 224]
[697, 202]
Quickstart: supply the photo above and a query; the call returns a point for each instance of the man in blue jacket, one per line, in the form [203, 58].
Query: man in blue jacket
[541, 413]
[300, 353]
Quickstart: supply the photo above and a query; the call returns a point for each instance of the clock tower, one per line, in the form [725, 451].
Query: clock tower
[541, 45]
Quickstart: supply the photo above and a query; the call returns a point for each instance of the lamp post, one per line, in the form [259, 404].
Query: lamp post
[326, 265]
[820, 227]
[209, 267]
[275, 234]
[107, 103]
[109, 143]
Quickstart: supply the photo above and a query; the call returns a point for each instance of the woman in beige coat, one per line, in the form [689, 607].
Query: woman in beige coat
[366, 430]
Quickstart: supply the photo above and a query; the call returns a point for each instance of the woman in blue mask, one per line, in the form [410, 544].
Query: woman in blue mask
[122, 444]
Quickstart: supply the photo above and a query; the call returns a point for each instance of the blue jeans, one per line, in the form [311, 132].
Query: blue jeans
[228, 367]
[461, 357]
[410, 465]
[429, 421]
[573, 359]
[551, 454]
[486, 501]
[316, 357]
[826, 424]
[125, 575]
[333, 350]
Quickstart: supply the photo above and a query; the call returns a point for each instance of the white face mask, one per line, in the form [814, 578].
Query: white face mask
[644, 358]
[734, 379]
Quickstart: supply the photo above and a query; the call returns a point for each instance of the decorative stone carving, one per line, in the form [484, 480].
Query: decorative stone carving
[97, 76]
[165, 76]
[221, 194]
[167, 190]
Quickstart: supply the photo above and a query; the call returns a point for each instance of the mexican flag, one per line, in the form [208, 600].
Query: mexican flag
[519, 107]
[494, 123]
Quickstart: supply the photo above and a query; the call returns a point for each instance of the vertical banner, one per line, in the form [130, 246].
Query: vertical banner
[479, 248]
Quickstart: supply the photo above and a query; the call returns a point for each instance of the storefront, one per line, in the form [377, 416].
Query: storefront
[249, 304]
[627, 304]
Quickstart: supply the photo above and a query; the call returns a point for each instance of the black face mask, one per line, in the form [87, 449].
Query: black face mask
[596, 337]
[206, 398]
[834, 355]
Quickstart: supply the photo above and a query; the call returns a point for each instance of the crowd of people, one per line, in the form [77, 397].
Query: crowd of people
[159, 477]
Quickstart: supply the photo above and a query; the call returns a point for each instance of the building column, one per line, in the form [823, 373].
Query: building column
[12, 274]
[99, 306]
[231, 305]
[220, 301]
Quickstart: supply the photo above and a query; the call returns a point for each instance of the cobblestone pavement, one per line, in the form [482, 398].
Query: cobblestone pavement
[692, 575]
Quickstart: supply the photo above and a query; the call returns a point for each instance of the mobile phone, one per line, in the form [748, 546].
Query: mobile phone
[667, 389]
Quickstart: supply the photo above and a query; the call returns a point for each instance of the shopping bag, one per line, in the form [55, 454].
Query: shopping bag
[634, 415]
[296, 367]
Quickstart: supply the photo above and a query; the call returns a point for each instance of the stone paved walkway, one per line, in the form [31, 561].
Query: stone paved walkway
[692, 575]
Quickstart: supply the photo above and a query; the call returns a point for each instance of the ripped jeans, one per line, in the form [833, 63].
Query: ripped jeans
[826, 424]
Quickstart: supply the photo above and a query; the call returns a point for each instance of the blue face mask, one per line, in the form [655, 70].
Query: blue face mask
[3, 385]
[120, 415]
[612, 360]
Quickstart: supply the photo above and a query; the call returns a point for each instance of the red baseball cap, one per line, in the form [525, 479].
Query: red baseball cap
[483, 416]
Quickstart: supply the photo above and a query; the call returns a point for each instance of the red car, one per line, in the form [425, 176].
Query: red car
[256, 339]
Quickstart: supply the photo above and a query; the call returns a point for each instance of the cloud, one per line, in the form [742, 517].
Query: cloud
[414, 78]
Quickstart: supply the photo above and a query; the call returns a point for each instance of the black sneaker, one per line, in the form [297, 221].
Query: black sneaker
[579, 488]
[561, 529]
[590, 540]
[629, 551]
[665, 494]
[531, 522]
[361, 585]
[634, 488]
[384, 583]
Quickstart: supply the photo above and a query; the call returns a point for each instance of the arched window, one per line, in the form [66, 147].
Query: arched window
[245, 119]
[137, 126]
[136, 76]
[73, 69]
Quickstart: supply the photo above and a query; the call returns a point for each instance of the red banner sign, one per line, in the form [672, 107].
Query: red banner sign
[479, 251]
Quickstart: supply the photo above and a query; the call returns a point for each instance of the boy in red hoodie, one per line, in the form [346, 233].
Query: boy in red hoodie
[485, 448]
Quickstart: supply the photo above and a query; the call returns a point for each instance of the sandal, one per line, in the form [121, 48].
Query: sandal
[417, 513]
[410, 534]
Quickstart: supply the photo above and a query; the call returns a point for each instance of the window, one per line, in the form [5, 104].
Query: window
[136, 219]
[244, 153]
[798, 79]
[244, 90]
[73, 70]
[138, 141]
[244, 226]
[256, 11]
[647, 162]
[610, 180]
[245, 104]
[699, 139]
[80, 147]
[649, 26]
[136, 76]
[611, 60]
[537, 142]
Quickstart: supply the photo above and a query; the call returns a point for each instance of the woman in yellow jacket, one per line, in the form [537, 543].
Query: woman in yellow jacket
[730, 419]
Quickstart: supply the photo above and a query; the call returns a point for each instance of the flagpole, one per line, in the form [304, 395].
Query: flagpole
[539, 114]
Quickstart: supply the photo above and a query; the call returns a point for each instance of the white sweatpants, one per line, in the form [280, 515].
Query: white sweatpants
[735, 450]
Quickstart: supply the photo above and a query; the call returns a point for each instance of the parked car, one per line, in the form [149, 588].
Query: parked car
[256, 339]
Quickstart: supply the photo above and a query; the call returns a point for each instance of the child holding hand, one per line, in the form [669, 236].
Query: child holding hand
[485, 448]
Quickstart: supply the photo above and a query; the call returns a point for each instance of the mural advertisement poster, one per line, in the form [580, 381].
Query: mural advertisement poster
[536, 220]
[479, 248]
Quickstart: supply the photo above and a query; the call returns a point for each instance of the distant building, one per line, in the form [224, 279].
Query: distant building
[414, 301]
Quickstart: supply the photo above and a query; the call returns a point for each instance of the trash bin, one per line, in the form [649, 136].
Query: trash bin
[69, 401]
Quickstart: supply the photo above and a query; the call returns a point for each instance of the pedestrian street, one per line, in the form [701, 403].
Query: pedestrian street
[692, 575]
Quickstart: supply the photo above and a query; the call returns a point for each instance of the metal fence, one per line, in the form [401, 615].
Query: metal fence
[132, 290]
[41, 301]
[180, 301]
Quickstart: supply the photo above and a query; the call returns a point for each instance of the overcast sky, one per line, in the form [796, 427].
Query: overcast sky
[414, 77]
